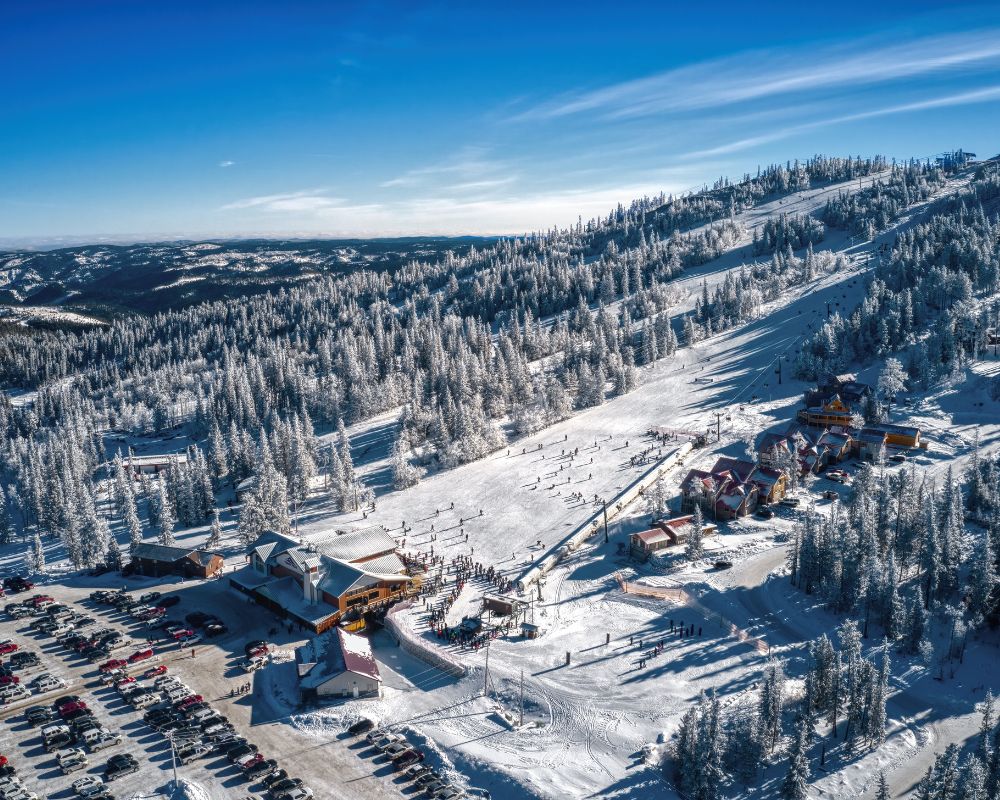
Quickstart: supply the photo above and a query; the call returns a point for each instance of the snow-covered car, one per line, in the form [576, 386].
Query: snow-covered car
[397, 748]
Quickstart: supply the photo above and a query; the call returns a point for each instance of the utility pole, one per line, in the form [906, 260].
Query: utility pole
[778, 370]
[718, 425]
[173, 757]
[606, 540]
[521, 719]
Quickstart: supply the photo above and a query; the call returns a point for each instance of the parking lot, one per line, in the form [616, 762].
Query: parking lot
[211, 667]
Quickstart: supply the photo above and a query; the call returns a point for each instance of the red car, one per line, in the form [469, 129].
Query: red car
[258, 652]
[37, 600]
[3, 761]
[8, 679]
[155, 672]
[125, 682]
[113, 664]
[183, 633]
[7, 647]
[140, 655]
[190, 700]
[69, 708]
[256, 759]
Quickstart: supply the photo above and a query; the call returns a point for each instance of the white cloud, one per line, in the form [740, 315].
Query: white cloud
[226, 163]
[985, 95]
[469, 165]
[308, 200]
[756, 75]
[441, 215]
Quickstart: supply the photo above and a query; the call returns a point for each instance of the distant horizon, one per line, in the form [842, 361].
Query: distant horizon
[128, 123]
[42, 243]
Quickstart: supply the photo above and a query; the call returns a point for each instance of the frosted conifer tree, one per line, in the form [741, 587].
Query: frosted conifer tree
[164, 515]
[215, 531]
[37, 557]
[694, 548]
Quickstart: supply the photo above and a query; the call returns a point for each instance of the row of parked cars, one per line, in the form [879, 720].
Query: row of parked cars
[50, 618]
[194, 728]
[197, 730]
[407, 759]
[70, 729]
[11, 786]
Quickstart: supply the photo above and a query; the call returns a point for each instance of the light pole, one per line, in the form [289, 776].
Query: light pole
[173, 756]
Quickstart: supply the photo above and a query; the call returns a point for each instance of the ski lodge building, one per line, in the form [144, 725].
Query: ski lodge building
[156, 560]
[339, 664]
[315, 583]
[731, 489]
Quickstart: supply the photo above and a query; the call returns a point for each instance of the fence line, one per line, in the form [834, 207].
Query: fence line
[419, 647]
[683, 596]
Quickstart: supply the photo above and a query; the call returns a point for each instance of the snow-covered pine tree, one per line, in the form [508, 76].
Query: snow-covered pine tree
[164, 515]
[36, 559]
[795, 786]
[214, 532]
[694, 548]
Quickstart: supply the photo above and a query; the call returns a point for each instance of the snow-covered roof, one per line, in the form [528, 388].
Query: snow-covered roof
[323, 658]
[358, 545]
[160, 552]
[340, 577]
[653, 536]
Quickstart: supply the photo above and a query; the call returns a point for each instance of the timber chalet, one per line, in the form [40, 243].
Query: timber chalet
[315, 583]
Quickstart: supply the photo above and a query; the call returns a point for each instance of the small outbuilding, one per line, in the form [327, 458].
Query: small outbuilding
[339, 664]
[529, 630]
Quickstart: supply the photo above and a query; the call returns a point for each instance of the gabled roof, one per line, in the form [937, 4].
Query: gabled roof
[339, 577]
[160, 552]
[270, 542]
[652, 536]
[358, 545]
[387, 565]
[321, 659]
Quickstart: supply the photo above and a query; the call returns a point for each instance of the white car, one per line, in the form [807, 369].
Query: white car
[73, 764]
[299, 793]
[20, 794]
[144, 700]
[88, 785]
[12, 692]
[254, 664]
[69, 753]
[98, 739]
[48, 683]
[178, 693]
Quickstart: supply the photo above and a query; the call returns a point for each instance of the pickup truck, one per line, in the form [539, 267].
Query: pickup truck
[100, 739]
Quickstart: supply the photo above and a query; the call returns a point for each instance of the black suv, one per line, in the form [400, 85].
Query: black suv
[119, 765]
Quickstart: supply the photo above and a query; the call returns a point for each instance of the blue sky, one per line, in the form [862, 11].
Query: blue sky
[158, 120]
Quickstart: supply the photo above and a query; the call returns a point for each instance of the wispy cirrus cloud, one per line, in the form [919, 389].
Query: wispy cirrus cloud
[226, 163]
[757, 75]
[307, 200]
[469, 166]
[984, 95]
